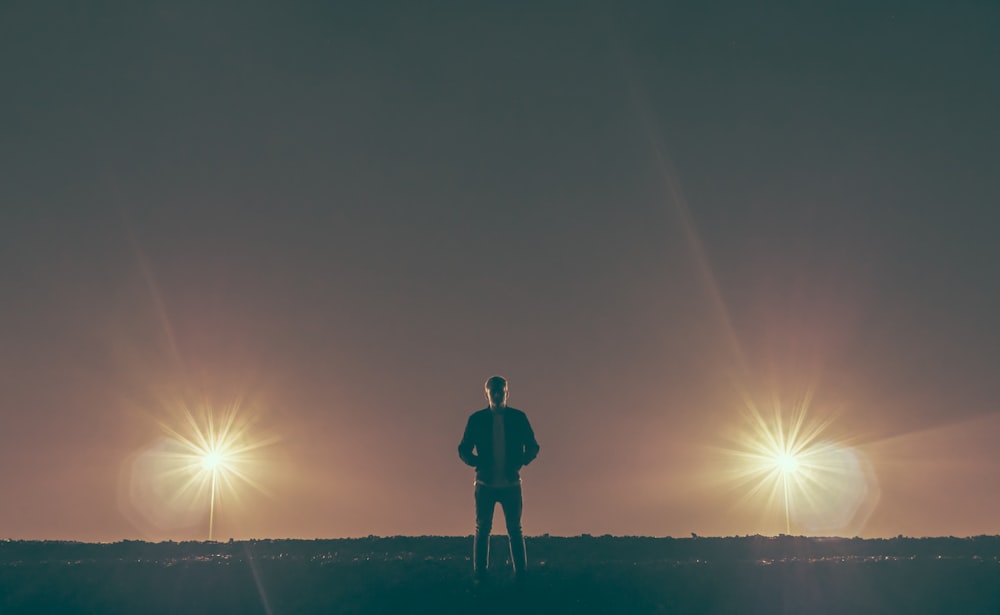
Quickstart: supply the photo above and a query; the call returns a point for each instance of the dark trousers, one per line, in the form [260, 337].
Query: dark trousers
[511, 502]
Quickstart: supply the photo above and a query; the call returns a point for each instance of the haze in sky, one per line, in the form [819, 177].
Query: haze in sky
[650, 220]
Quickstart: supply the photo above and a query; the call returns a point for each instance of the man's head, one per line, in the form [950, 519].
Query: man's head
[496, 392]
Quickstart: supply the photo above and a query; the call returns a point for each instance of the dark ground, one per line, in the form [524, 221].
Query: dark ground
[568, 575]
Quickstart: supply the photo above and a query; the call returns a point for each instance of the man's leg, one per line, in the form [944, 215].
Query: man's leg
[512, 504]
[485, 503]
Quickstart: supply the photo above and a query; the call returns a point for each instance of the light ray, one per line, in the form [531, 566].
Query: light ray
[674, 196]
[787, 461]
[206, 457]
[217, 453]
[154, 289]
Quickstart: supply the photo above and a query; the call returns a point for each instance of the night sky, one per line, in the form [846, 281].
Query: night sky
[643, 216]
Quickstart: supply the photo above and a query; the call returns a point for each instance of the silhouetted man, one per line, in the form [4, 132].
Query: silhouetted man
[503, 443]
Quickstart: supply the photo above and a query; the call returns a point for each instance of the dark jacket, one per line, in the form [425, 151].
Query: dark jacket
[520, 445]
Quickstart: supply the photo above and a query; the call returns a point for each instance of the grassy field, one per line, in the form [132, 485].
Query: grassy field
[568, 575]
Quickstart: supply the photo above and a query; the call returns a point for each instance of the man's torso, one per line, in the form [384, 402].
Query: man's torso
[499, 442]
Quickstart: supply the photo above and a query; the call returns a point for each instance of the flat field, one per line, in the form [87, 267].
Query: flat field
[579, 575]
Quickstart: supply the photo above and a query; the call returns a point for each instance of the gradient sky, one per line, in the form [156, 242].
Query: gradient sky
[640, 216]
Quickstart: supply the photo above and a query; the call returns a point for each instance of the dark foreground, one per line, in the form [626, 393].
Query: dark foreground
[568, 575]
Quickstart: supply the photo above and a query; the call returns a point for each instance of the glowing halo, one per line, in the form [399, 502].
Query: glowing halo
[205, 457]
[787, 462]
[218, 453]
[212, 460]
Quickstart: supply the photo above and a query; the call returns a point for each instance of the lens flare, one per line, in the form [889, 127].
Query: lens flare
[790, 465]
[218, 453]
[206, 456]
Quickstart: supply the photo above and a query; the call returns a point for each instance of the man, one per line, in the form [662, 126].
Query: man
[503, 443]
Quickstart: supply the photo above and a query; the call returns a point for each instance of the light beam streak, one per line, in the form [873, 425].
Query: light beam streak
[218, 452]
[206, 457]
[787, 462]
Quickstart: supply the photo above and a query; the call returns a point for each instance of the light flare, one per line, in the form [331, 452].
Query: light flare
[207, 456]
[212, 460]
[217, 454]
[788, 463]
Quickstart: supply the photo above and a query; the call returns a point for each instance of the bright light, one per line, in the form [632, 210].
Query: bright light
[789, 465]
[212, 460]
[214, 450]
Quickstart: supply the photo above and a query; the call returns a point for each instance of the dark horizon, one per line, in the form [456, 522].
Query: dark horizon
[593, 548]
[576, 575]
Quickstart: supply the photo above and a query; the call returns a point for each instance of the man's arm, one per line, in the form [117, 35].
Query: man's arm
[465, 446]
[531, 447]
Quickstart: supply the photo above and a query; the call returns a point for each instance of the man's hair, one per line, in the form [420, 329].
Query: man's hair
[496, 382]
